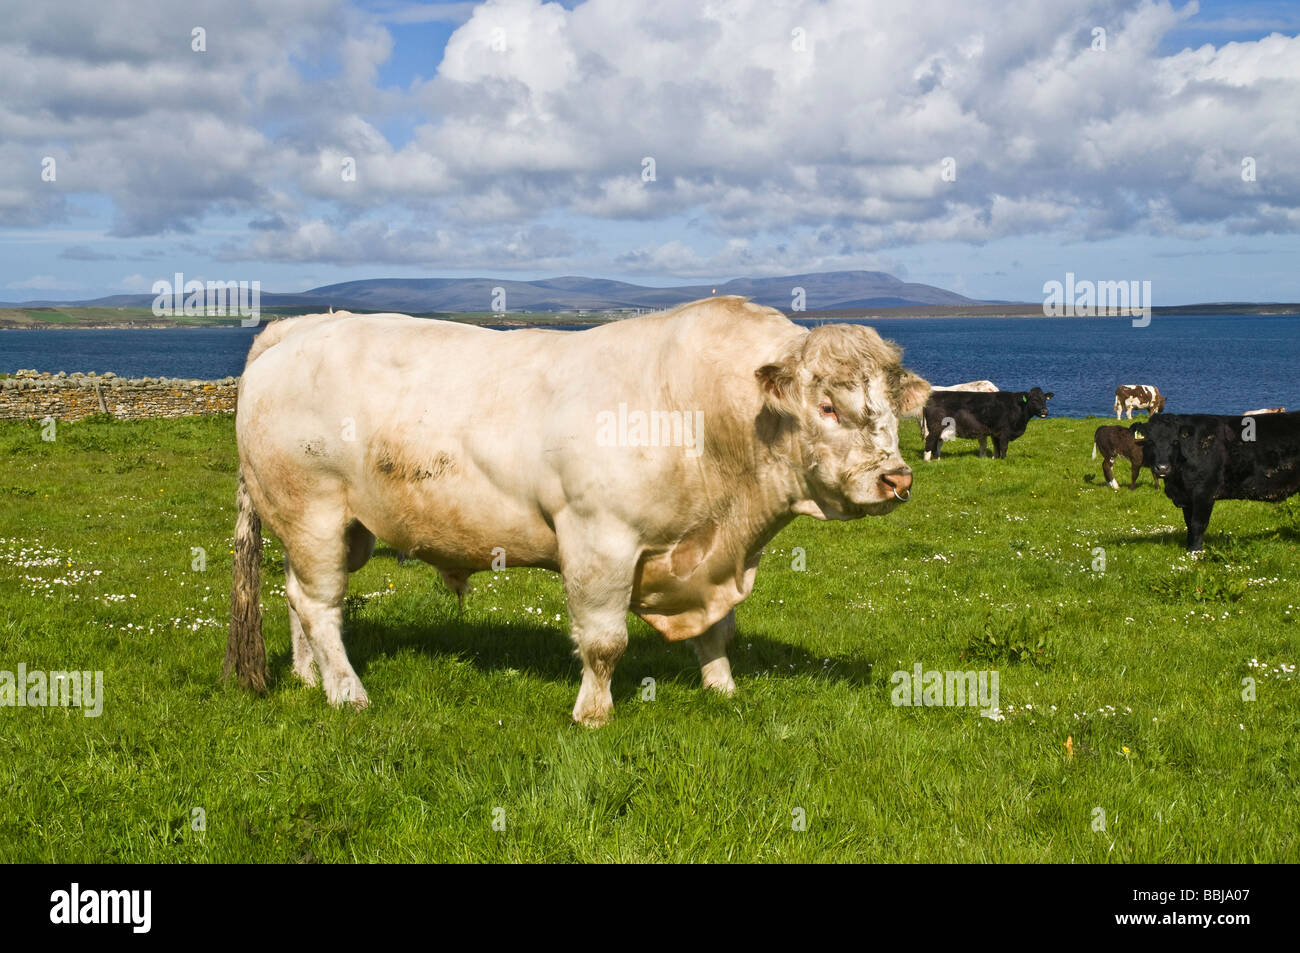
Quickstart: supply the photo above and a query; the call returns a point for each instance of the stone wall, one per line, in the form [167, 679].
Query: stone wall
[66, 396]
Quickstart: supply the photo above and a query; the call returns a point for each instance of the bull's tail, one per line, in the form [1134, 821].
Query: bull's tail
[245, 650]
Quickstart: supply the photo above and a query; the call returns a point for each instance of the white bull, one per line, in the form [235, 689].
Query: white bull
[455, 443]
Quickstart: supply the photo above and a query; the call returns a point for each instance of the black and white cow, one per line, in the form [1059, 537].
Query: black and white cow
[1207, 457]
[972, 416]
[981, 387]
[1131, 397]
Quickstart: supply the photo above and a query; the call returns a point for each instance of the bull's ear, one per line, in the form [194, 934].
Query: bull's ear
[913, 392]
[780, 387]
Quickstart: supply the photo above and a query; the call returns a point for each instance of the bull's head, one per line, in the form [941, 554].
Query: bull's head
[839, 391]
[1171, 442]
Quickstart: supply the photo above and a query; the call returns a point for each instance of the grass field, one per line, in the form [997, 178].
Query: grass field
[1139, 664]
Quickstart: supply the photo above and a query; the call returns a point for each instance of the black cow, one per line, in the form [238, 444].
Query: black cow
[1002, 416]
[1207, 457]
[1112, 442]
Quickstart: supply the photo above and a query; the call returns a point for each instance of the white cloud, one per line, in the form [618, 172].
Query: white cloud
[773, 153]
[44, 283]
[135, 284]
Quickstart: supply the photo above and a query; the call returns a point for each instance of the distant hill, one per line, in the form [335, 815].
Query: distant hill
[835, 289]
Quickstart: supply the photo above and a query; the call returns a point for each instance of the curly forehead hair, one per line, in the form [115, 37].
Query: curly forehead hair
[849, 353]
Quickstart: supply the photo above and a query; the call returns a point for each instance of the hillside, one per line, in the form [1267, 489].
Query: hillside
[837, 289]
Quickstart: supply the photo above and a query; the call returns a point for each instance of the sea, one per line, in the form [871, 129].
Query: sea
[1221, 363]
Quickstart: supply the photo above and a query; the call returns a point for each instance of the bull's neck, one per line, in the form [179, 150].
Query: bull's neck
[782, 478]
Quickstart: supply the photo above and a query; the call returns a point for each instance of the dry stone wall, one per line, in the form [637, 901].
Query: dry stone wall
[66, 396]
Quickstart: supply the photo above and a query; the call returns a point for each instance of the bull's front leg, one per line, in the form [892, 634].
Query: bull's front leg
[598, 568]
[711, 650]
[600, 631]
[1197, 518]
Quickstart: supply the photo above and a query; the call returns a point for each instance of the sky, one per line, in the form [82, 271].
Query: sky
[301, 143]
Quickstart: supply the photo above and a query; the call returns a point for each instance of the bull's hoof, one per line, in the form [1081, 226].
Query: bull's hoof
[307, 674]
[592, 719]
[726, 687]
[349, 692]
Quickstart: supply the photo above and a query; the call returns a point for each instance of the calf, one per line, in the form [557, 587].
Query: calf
[1131, 397]
[1119, 442]
[1002, 416]
[1206, 457]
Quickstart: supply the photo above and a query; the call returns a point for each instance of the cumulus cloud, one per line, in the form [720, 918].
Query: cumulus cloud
[798, 135]
[364, 242]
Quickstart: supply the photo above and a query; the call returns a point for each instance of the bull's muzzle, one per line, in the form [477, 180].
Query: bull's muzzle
[899, 483]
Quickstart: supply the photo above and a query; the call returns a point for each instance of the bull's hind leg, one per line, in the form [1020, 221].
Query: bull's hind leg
[711, 650]
[320, 555]
[304, 659]
[360, 544]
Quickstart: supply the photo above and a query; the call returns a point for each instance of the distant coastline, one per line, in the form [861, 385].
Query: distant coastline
[97, 318]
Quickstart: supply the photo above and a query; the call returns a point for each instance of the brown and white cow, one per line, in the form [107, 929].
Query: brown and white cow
[1131, 397]
[649, 461]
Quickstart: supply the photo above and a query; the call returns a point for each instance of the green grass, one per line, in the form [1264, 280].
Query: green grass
[1140, 666]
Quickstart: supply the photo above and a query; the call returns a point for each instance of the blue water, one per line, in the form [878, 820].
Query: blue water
[1205, 364]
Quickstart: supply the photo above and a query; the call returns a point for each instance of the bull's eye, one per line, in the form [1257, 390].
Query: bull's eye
[828, 410]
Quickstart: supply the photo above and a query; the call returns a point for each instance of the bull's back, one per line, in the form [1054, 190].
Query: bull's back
[489, 434]
[1268, 467]
[414, 428]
